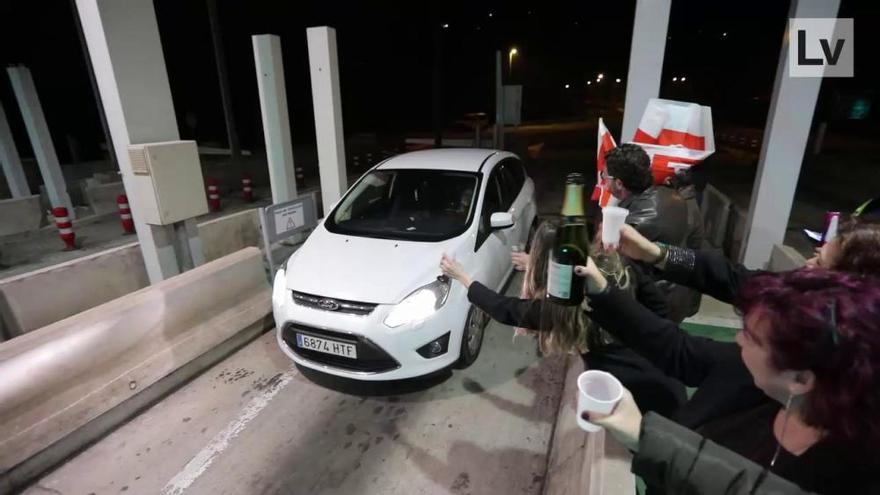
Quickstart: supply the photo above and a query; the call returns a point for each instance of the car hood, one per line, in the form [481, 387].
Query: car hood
[364, 269]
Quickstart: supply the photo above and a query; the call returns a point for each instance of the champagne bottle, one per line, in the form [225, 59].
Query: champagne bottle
[570, 247]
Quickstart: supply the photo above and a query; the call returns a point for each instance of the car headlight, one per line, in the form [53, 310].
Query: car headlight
[419, 305]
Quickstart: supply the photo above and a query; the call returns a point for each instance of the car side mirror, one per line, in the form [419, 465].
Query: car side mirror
[501, 220]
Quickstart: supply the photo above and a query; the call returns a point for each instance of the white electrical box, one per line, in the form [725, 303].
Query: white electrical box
[168, 181]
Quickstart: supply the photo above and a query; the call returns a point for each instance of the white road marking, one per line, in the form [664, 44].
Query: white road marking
[200, 463]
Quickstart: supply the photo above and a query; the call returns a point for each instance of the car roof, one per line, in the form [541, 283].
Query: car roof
[458, 159]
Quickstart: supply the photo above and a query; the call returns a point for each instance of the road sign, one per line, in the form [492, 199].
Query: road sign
[283, 220]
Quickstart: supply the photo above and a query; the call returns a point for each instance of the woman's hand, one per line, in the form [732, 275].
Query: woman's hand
[520, 260]
[814, 261]
[454, 270]
[624, 423]
[596, 281]
[635, 246]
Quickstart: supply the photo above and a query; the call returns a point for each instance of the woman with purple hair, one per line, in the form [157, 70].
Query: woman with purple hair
[796, 398]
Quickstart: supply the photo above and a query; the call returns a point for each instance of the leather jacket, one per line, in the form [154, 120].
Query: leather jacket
[663, 214]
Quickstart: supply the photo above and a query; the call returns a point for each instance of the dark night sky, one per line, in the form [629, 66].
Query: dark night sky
[386, 52]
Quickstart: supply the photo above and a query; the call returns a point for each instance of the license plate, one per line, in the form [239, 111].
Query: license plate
[326, 346]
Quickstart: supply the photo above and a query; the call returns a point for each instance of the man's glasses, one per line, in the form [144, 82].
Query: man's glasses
[605, 176]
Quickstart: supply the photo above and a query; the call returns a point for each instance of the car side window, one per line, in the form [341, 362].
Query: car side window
[512, 178]
[491, 204]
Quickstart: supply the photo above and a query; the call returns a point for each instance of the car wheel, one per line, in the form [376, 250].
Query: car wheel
[472, 336]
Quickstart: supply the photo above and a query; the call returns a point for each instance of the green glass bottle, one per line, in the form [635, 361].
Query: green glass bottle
[570, 248]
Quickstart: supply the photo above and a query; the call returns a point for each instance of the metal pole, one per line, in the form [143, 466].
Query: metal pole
[223, 76]
[499, 103]
[438, 88]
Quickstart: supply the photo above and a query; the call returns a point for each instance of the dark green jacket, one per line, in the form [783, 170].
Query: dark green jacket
[683, 462]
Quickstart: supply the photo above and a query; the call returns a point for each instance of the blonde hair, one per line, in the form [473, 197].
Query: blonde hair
[565, 329]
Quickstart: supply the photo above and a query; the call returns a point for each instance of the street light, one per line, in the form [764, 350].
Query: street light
[674, 79]
[683, 79]
[589, 83]
[617, 80]
[600, 76]
[567, 86]
[513, 51]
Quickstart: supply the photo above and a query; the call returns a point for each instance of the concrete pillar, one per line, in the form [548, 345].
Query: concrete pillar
[126, 54]
[41, 140]
[785, 141]
[645, 61]
[324, 68]
[276, 122]
[10, 160]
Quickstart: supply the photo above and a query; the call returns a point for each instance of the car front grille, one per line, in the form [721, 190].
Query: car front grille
[333, 305]
[371, 358]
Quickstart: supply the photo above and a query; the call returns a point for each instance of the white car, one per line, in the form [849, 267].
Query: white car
[363, 298]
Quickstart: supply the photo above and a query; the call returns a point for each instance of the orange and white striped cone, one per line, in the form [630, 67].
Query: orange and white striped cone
[125, 214]
[247, 189]
[213, 195]
[65, 227]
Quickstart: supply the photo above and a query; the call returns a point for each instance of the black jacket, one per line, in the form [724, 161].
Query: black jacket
[654, 390]
[662, 214]
[727, 407]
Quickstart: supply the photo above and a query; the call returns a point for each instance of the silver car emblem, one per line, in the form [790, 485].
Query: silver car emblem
[328, 304]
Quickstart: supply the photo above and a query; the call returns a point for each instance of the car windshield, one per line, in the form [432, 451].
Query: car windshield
[413, 205]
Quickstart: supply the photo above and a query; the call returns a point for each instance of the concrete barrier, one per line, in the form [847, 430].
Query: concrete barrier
[102, 197]
[228, 234]
[785, 258]
[61, 380]
[36, 299]
[20, 215]
[77, 285]
[580, 462]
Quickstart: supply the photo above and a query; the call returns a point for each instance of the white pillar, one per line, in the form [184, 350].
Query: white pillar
[41, 140]
[276, 122]
[126, 53]
[782, 152]
[645, 61]
[324, 67]
[10, 160]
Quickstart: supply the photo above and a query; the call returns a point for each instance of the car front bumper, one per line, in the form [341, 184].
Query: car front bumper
[384, 353]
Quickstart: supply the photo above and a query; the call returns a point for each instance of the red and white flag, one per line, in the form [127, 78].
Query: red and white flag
[676, 135]
[601, 193]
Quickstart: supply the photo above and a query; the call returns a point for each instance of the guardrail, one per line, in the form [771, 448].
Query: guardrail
[68, 383]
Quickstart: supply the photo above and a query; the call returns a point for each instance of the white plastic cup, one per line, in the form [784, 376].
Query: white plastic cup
[613, 218]
[598, 392]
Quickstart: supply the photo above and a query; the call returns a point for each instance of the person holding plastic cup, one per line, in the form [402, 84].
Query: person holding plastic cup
[658, 212]
[676, 459]
[799, 391]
